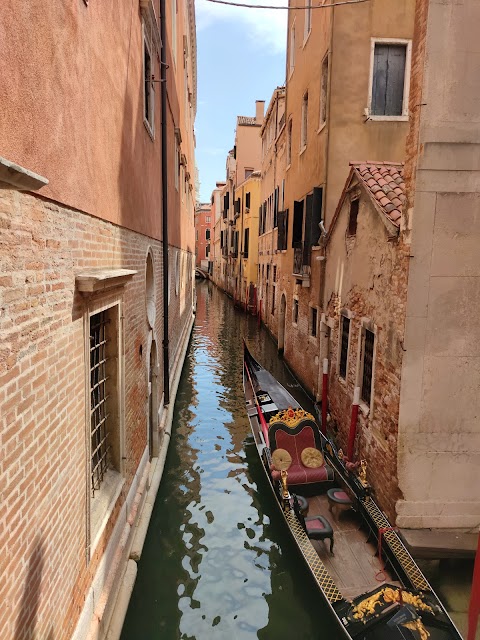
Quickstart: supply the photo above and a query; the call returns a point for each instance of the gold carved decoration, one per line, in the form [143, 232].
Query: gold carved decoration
[291, 417]
[284, 475]
[387, 594]
[362, 473]
[417, 625]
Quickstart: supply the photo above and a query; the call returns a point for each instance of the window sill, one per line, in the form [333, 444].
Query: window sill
[403, 118]
[288, 166]
[306, 38]
[302, 150]
[322, 127]
[19, 177]
[102, 505]
[149, 129]
[364, 408]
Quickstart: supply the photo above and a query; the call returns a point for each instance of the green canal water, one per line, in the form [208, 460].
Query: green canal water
[217, 562]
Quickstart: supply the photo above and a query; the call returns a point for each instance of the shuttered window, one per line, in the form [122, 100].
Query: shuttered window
[389, 62]
[246, 239]
[368, 346]
[345, 335]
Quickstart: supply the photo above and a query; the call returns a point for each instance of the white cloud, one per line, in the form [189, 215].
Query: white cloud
[265, 28]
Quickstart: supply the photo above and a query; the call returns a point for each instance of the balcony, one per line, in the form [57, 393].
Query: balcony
[301, 262]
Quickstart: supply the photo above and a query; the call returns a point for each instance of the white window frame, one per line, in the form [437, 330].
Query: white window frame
[291, 50]
[304, 126]
[289, 141]
[344, 313]
[366, 323]
[173, 6]
[313, 338]
[324, 102]
[406, 83]
[295, 300]
[177, 164]
[150, 126]
[100, 507]
[307, 24]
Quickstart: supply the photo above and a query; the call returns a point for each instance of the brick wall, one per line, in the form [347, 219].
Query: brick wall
[43, 572]
[376, 292]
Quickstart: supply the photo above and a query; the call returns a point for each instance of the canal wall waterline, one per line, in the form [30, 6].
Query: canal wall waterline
[109, 613]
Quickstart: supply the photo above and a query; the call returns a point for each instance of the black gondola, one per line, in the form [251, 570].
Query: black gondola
[372, 585]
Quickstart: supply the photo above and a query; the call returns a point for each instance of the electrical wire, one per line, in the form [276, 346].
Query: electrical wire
[266, 6]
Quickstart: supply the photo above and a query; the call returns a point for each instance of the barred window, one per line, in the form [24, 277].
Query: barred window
[345, 335]
[295, 311]
[104, 429]
[367, 376]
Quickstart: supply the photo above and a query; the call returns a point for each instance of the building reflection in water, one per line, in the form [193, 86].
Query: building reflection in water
[217, 562]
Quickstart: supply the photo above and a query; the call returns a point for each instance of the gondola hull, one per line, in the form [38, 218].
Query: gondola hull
[404, 607]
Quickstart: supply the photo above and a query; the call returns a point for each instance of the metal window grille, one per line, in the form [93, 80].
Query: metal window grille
[344, 347]
[369, 341]
[98, 399]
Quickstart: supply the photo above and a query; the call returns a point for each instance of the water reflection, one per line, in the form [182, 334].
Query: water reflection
[217, 561]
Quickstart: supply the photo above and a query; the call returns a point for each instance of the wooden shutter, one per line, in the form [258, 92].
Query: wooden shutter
[388, 79]
[245, 242]
[247, 200]
[297, 222]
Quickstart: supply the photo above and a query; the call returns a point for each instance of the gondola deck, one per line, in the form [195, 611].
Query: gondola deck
[373, 596]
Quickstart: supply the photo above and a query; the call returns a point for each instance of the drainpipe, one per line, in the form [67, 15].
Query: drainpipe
[163, 93]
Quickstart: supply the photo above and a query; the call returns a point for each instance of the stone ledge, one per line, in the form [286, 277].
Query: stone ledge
[20, 178]
[440, 543]
[95, 280]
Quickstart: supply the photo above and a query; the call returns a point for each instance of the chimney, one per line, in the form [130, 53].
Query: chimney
[259, 111]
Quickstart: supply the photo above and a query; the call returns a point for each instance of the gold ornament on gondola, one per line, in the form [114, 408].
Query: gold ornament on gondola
[366, 607]
[291, 417]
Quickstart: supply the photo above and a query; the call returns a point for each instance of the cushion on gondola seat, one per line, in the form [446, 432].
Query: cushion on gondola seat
[295, 441]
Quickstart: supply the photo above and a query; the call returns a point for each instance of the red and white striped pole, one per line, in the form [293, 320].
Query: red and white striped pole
[353, 423]
[323, 427]
[474, 607]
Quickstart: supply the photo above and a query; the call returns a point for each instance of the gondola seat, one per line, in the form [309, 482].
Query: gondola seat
[319, 528]
[295, 436]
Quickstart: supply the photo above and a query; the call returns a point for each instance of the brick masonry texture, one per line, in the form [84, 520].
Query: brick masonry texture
[44, 576]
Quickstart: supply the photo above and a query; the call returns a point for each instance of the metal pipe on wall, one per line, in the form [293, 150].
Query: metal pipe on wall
[163, 115]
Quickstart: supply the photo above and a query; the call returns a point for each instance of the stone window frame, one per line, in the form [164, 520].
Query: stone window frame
[344, 313]
[149, 122]
[100, 507]
[324, 92]
[313, 338]
[366, 323]
[406, 87]
[291, 48]
[295, 303]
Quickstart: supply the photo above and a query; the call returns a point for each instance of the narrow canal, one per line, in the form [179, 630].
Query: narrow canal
[217, 562]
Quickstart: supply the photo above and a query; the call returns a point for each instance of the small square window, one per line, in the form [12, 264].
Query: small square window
[352, 220]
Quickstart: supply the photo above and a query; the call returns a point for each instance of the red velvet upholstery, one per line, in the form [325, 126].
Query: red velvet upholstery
[295, 444]
[315, 525]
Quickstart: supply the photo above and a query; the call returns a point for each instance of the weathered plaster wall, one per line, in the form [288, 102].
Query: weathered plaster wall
[68, 69]
[366, 276]
[439, 428]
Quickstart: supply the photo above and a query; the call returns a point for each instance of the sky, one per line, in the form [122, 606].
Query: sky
[240, 59]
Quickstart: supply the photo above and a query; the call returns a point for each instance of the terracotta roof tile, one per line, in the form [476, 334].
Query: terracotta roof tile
[384, 180]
